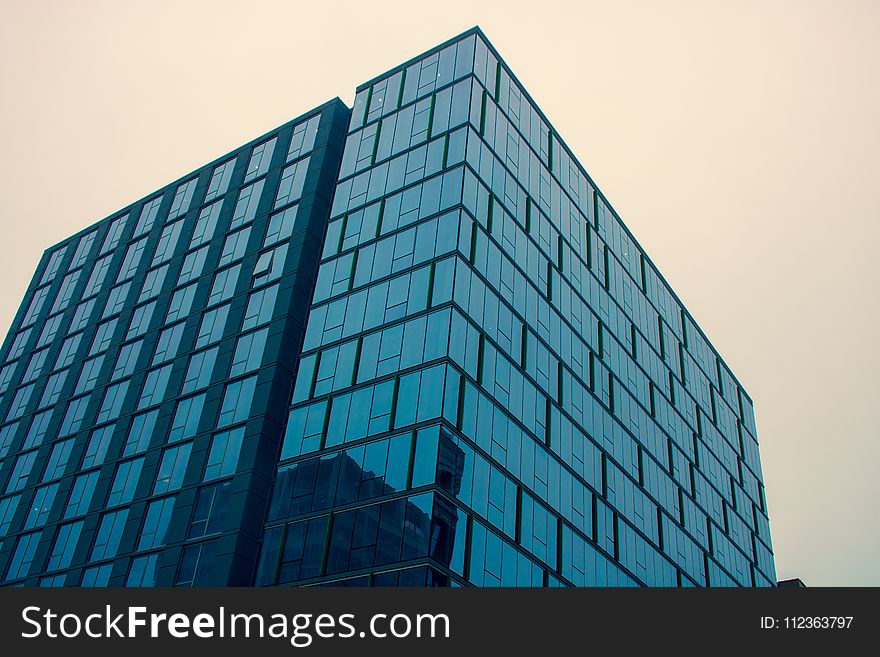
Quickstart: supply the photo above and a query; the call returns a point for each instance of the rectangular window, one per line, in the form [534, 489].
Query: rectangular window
[148, 215]
[81, 316]
[198, 373]
[125, 482]
[167, 243]
[142, 572]
[291, 186]
[65, 545]
[109, 534]
[65, 292]
[247, 204]
[81, 494]
[186, 418]
[210, 510]
[53, 388]
[17, 348]
[19, 402]
[97, 447]
[114, 234]
[132, 259]
[41, 506]
[280, 226]
[21, 471]
[35, 306]
[261, 158]
[127, 360]
[76, 411]
[20, 564]
[249, 352]
[68, 351]
[303, 139]
[53, 265]
[50, 330]
[223, 457]
[182, 199]
[224, 285]
[140, 320]
[172, 469]
[96, 280]
[140, 433]
[103, 337]
[235, 246]
[96, 576]
[7, 435]
[206, 224]
[196, 564]
[6, 376]
[154, 387]
[88, 377]
[153, 282]
[156, 522]
[83, 249]
[116, 300]
[260, 308]
[220, 180]
[167, 344]
[35, 366]
[58, 459]
[113, 400]
[211, 328]
[181, 303]
[192, 266]
[270, 265]
[237, 400]
[8, 507]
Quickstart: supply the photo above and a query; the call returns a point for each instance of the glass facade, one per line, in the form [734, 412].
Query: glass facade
[409, 344]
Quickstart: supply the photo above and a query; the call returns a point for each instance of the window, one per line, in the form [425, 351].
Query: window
[153, 283]
[132, 259]
[249, 352]
[291, 185]
[20, 563]
[37, 431]
[167, 243]
[260, 308]
[81, 316]
[88, 377]
[235, 246]
[116, 300]
[58, 459]
[270, 266]
[50, 330]
[53, 265]
[182, 199]
[220, 180]
[246, 206]
[211, 328]
[127, 360]
[7, 435]
[125, 482]
[148, 215]
[206, 224]
[65, 292]
[210, 509]
[97, 447]
[52, 391]
[96, 576]
[82, 249]
[237, 400]
[81, 494]
[114, 234]
[186, 418]
[140, 320]
[65, 545]
[68, 351]
[35, 306]
[103, 337]
[18, 345]
[143, 571]
[223, 457]
[192, 266]
[8, 507]
[76, 410]
[19, 402]
[280, 226]
[109, 534]
[41, 506]
[35, 366]
[172, 469]
[198, 374]
[154, 387]
[140, 433]
[196, 564]
[112, 405]
[167, 344]
[181, 303]
[261, 157]
[20, 472]
[224, 285]
[96, 280]
[303, 138]
[155, 529]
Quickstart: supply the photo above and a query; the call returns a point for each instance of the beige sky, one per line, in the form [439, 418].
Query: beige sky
[738, 141]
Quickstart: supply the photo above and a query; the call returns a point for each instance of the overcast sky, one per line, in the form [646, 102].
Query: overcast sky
[738, 141]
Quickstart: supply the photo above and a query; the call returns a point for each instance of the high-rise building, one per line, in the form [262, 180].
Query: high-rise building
[409, 343]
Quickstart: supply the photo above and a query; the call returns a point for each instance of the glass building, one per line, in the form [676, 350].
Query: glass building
[409, 343]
